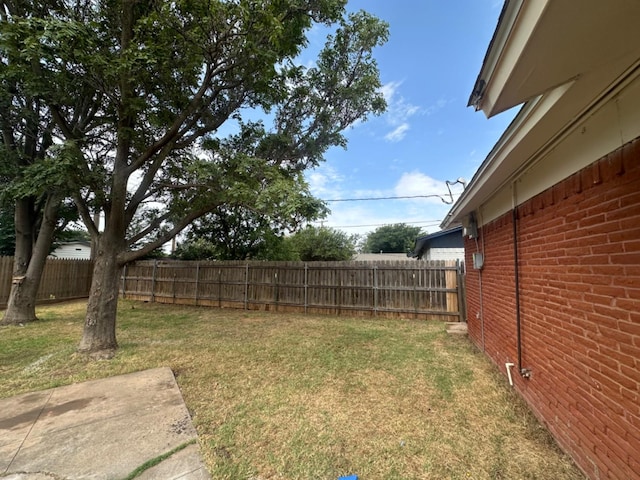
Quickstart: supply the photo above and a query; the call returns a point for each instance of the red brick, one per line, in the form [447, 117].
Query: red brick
[612, 313]
[612, 166]
[625, 235]
[628, 198]
[631, 350]
[630, 306]
[634, 464]
[610, 291]
[607, 360]
[631, 246]
[615, 460]
[633, 375]
[632, 328]
[625, 258]
[621, 378]
[605, 270]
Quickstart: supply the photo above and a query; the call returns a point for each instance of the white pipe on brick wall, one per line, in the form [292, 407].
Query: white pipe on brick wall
[508, 366]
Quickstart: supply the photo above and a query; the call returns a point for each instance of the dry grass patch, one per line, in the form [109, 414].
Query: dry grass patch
[277, 396]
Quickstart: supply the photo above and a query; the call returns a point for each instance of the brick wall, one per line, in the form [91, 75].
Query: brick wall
[491, 324]
[579, 262]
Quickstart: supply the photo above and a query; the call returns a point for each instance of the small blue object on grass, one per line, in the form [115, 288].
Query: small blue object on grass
[349, 477]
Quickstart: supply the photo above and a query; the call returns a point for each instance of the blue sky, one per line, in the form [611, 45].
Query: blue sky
[428, 135]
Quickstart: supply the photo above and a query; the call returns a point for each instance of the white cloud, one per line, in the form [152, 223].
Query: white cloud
[325, 181]
[388, 90]
[398, 134]
[416, 183]
[399, 111]
[431, 190]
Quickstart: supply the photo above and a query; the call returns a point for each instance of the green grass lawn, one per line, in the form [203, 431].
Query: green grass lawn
[283, 396]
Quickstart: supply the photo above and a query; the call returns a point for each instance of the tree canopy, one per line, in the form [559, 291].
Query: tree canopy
[239, 233]
[138, 94]
[396, 238]
[322, 244]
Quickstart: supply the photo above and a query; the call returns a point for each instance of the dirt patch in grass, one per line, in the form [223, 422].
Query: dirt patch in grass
[278, 396]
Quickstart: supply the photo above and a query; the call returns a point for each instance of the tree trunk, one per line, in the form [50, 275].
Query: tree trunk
[99, 334]
[21, 306]
[29, 259]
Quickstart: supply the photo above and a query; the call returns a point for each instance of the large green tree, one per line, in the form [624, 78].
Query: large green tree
[139, 92]
[322, 244]
[26, 137]
[396, 238]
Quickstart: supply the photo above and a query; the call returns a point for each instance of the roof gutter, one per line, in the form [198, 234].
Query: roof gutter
[501, 34]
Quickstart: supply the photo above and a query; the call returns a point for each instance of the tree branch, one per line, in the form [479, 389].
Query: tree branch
[85, 214]
[130, 256]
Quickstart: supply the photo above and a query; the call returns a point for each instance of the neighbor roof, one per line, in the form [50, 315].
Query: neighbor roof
[422, 243]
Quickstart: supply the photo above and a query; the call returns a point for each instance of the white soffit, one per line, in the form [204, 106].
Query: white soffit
[541, 44]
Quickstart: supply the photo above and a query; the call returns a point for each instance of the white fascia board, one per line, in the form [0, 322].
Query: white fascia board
[517, 23]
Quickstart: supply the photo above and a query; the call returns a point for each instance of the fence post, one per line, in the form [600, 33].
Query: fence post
[339, 293]
[153, 281]
[275, 289]
[246, 286]
[197, 281]
[451, 275]
[415, 294]
[124, 280]
[219, 288]
[462, 299]
[306, 286]
[173, 288]
[375, 290]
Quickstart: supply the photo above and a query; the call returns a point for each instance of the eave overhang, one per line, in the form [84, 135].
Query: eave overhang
[560, 68]
[542, 44]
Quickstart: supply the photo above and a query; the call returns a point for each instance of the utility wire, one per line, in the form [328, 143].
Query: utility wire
[441, 197]
[428, 223]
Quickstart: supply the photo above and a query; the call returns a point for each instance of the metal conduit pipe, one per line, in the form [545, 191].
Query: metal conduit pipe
[525, 372]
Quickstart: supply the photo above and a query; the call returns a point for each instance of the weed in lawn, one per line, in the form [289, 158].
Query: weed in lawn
[277, 396]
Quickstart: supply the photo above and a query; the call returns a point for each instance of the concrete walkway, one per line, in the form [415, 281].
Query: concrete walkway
[102, 429]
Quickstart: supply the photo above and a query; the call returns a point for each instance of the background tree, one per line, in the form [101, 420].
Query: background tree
[323, 244]
[30, 183]
[397, 238]
[240, 233]
[138, 93]
[7, 232]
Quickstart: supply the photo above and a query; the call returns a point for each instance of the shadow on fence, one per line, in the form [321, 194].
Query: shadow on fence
[418, 289]
[62, 279]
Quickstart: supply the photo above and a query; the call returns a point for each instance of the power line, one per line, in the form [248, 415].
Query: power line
[428, 223]
[401, 197]
[442, 197]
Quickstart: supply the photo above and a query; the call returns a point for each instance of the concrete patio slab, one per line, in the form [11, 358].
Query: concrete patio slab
[102, 429]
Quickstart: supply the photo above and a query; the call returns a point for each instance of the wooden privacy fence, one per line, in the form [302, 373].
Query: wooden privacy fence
[420, 289]
[62, 279]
